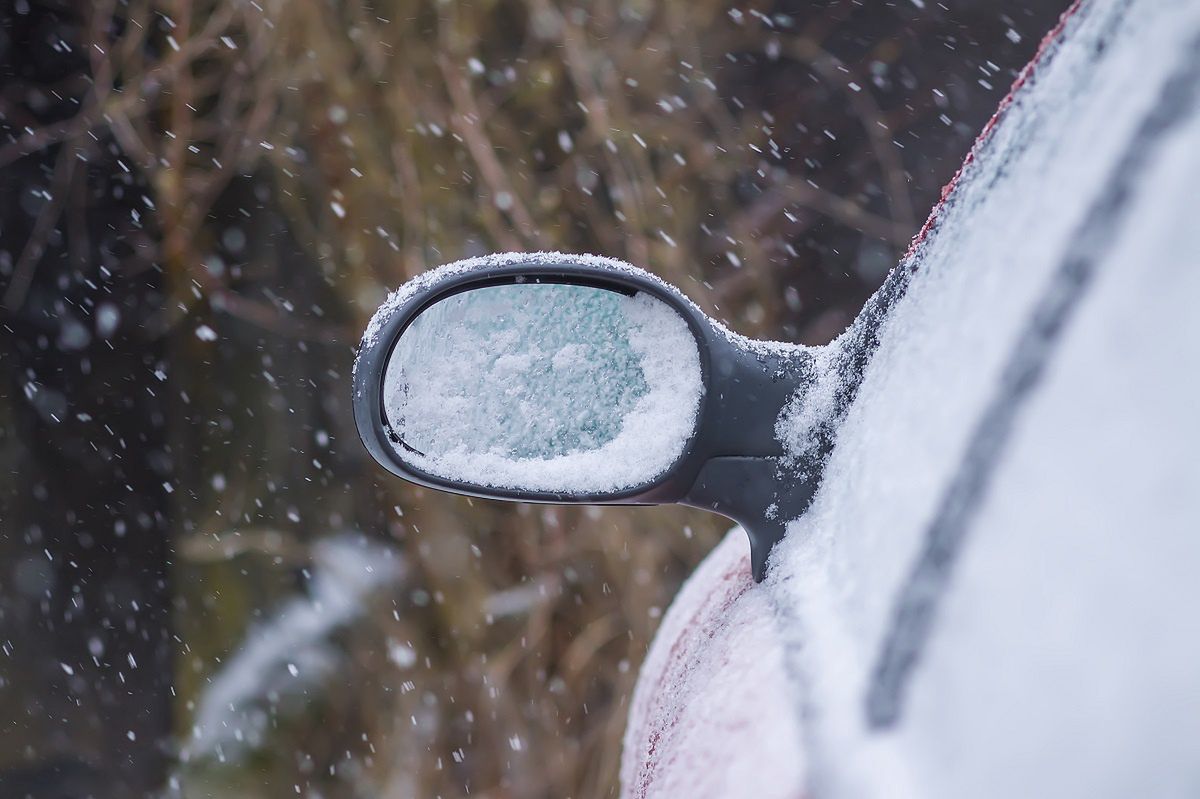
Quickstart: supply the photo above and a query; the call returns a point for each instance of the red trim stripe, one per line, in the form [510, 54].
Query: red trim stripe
[1049, 42]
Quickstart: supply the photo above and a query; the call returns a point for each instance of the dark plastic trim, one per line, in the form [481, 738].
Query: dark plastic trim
[731, 463]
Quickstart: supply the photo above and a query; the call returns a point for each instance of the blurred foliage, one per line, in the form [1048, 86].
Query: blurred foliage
[280, 165]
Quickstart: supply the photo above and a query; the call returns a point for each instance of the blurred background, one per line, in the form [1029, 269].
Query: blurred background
[206, 587]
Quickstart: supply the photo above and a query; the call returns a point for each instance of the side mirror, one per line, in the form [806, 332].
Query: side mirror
[574, 379]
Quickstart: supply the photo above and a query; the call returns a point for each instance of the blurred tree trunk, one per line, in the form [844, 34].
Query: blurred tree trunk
[85, 657]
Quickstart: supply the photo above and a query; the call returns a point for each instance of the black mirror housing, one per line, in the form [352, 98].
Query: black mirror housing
[732, 462]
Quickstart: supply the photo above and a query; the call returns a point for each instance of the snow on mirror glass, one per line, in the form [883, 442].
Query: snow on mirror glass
[544, 387]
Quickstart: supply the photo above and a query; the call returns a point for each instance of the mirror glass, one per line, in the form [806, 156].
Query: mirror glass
[544, 387]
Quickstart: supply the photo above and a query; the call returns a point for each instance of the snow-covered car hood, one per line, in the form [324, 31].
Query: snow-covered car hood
[994, 591]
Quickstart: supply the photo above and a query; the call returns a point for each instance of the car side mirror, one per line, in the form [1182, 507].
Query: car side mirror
[574, 379]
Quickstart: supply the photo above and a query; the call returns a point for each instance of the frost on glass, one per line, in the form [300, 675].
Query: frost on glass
[544, 387]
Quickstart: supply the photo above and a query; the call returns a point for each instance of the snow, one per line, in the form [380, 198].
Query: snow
[994, 591]
[549, 387]
[1032, 405]
[711, 716]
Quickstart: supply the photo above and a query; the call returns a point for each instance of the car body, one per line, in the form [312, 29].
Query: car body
[994, 590]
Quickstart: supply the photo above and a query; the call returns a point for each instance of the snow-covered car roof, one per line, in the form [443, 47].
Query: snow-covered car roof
[994, 591]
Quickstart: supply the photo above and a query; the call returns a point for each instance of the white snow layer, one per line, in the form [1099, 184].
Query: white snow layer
[549, 387]
[1063, 654]
[713, 715]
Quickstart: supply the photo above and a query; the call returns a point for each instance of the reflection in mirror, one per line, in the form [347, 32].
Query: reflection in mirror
[544, 387]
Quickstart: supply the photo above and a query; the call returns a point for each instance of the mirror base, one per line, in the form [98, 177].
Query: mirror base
[748, 491]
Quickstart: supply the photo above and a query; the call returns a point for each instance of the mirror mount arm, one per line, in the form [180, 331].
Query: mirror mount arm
[749, 390]
[759, 489]
[751, 492]
[746, 477]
